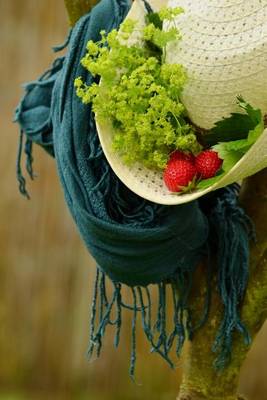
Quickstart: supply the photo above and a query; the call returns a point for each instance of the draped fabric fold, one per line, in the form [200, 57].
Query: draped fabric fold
[134, 241]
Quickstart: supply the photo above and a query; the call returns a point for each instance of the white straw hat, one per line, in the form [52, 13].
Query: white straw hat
[224, 49]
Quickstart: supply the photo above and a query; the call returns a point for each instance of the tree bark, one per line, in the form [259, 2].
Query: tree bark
[200, 379]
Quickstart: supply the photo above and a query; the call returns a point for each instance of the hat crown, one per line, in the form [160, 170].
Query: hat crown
[224, 49]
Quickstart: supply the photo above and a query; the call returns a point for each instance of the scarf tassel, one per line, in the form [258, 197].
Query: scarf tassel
[233, 230]
[158, 335]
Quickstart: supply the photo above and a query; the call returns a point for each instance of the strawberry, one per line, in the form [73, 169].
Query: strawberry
[179, 155]
[178, 174]
[208, 164]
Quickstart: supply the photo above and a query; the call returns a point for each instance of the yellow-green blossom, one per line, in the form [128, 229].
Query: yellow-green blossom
[139, 93]
[167, 13]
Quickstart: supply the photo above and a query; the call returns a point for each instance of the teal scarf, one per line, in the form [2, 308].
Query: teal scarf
[134, 242]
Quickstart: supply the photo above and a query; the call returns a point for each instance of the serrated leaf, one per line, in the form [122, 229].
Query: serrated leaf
[244, 145]
[235, 127]
[254, 135]
[255, 114]
[229, 157]
[232, 152]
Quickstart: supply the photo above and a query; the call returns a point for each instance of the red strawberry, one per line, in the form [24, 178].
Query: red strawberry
[179, 155]
[208, 163]
[179, 174]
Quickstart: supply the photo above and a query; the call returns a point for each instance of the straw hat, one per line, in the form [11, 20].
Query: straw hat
[224, 49]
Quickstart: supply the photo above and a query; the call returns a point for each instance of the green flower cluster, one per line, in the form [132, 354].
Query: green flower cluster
[138, 92]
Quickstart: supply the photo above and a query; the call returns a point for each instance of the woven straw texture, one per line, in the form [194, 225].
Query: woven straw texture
[149, 184]
[224, 50]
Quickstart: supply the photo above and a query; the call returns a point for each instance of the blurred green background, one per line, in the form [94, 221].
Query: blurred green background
[46, 274]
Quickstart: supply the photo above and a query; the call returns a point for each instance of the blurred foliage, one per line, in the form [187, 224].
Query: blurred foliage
[46, 274]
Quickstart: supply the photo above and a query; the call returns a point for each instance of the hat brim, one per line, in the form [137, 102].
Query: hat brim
[149, 183]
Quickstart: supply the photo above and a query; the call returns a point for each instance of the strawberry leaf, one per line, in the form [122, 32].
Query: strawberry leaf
[244, 144]
[232, 151]
[229, 157]
[254, 114]
[205, 183]
[235, 127]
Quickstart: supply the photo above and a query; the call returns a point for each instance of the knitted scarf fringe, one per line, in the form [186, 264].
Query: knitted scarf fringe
[233, 229]
[161, 339]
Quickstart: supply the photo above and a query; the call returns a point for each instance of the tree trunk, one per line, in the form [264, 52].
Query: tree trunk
[200, 380]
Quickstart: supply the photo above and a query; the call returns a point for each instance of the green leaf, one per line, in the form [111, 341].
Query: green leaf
[154, 18]
[255, 114]
[154, 51]
[205, 183]
[243, 145]
[232, 152]
[229, 157]
[254, 135]
[235, 127]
